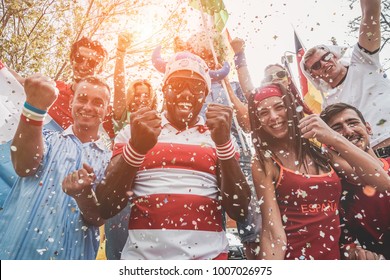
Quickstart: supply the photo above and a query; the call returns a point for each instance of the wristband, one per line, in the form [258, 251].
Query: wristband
[131, 157]
[34, 109]
[226, 151]
[32, 115]
[240, 60]
[31, 121]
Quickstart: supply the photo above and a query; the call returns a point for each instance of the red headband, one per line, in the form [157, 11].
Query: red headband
[267, 92]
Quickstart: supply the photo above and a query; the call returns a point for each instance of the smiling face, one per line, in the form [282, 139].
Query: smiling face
[324, 65]
[276, 75]
[89, 106]
[184, 93]
[142, 97]
[272, 115]
[348, 124]
[85, 62]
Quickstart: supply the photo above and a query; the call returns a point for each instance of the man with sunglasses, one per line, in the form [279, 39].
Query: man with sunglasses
[179, 169]
[361, 83]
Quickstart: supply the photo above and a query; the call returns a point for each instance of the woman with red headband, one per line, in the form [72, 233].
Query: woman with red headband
[297, 183]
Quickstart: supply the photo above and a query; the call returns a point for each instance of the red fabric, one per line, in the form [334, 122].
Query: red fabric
[61, 113]
[367, 218]
[166, 155]
[267, 92]
[161, 211]
[309, 210]
[31, 121]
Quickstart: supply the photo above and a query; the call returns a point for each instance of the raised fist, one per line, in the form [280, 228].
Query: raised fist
[238, 45]
[41, 91]
[124, 40]
[219, 122]
[145, 128]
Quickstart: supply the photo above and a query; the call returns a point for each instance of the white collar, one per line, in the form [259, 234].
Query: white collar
[99, 143]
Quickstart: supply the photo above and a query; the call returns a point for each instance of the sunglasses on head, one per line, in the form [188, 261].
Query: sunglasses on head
[278, 75]
[92, 63]
[325, 58]
[177, 85]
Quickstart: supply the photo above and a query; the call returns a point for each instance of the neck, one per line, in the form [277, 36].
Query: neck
[85, 134]
[180, 125]
[339, 78]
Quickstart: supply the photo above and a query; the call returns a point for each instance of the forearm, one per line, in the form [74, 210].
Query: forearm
[244, 77]
[88, 205]
[367, 168]
[27, 149]
[235, 190]
[112, 193]
[369, 34]
[119, 104]
[240, 109]
[272, 247]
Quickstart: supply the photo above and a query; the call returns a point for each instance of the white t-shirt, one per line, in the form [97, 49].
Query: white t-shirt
[365, 88]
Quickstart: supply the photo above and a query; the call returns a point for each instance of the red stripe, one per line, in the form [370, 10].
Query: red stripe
[1, 65]
[172, 155]
[176, 211]
[31, 121]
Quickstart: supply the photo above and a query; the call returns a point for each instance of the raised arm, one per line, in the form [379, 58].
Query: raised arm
[370, 28]
[234, 188]
[27, 145]
[273, 238]
[240, 108]
[112, 194]
[357, 166]
[119, 104]
[238, 46]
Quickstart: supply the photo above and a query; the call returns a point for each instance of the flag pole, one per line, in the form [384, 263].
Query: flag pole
[238, 127]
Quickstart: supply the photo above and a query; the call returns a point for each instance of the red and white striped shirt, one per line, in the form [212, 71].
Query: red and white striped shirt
[176, 212]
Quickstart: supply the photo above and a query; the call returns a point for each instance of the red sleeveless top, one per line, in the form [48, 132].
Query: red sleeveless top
[309, 210]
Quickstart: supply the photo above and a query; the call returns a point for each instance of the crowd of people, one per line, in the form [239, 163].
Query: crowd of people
[160, 185]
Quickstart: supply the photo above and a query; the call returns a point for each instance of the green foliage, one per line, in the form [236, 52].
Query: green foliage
[35, 36]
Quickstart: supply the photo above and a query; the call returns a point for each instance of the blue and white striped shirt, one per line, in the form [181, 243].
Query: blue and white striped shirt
[39, 221]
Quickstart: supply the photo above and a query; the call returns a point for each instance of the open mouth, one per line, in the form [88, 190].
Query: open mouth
[355, 140]
[184, 106]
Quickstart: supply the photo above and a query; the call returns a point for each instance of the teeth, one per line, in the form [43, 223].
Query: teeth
[276, 125]
[185, 105]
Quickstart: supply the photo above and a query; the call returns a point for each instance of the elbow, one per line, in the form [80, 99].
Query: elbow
[22, 171]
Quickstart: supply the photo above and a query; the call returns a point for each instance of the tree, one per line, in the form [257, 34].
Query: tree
[36, 35]
[385, 27]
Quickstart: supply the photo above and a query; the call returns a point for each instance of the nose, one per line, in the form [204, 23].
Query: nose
[347, 131]
[273, 115]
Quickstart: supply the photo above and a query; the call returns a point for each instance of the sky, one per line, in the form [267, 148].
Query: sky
[268, 27]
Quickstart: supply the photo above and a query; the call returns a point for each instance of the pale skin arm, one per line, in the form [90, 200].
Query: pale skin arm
[358, 253]
[113, 193]
[370, 32]
[27, 145]
[355, 165]
[234, 188]
[273, 239]
[79, 186]
[119, 103]
[240, 108]
[238, 45]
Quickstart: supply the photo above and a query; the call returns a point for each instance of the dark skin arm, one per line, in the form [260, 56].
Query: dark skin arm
[234, 188]
[113, 193]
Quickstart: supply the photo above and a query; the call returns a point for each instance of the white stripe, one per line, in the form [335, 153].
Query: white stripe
[174, 245]
[176, 181]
